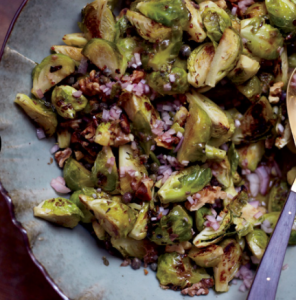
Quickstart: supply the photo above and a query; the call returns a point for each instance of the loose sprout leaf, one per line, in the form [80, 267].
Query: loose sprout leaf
[233, 158]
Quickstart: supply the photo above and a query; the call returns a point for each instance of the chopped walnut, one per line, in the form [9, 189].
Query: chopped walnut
[126, 262]
[200, 288]
[62, 156]
[221, 3]
[275, 92]
[164, 287]
[207, 195]
[78, 155]
[90, 85]
[137, 76]
[89, 133]
[284, 139]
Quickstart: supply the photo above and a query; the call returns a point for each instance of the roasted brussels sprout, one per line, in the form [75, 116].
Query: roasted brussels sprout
[139, 232]
[116, 218]
[160, 82]
[226, 56]
[256, 10]
[263, 40]
[220, 123]
[208, 236]
[197, 133]
[38, 112]
[282, 14]
[251, 89]
[66, 102]
[195, 28]
[200, 217]
[173, 228]
[104, 171]
[228, 266]
[76, 175]
[75, 39]
[72, 52]
[147, 28]
[98, 21]
[215, 20]
[166, 12]
[245, 68]
[257, 241]
[206, 257]
[176, 269]
[251, 155]
[129, 247]
[180, 185]
[199, 63]
[60, 211]
[105, 55]
[277, 196]
[53, 69]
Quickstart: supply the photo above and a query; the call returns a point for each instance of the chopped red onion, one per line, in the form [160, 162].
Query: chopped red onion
[134, 145]
[234, 282]
[262, 172]
[258, 215]
[153, 219]
[254, 203]
[59, 186]
[138, 59]
[106, 115]
[179, 135]
[280, 128]
[234, 10]
[179, 144]
[277, 168]
[167, 87]
[61, 180]
[146, 88]
[40, 133]
[215, 225]
[54, 149]
[39, 94]
[172, 77]
[237, 123]
[115, 113]
[77, 94]
[110, 164]
[185, 162]
[224, 147]
[242, 288]
[214, 212]
[255, 260]
[190, 199]
[152, 148]
[243, 5]
[211, 218]
[254, 183]
[285, 267]
[219, 218]
[244, 40]
[129, 88]
[82, 69]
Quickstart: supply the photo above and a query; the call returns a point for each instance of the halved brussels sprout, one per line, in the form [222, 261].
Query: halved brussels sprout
[208, 236]
[263, 40]
[251, 155]
[166, 12]
[215, 20]
[160, 82]
[98, 21]
[245, 68]
[257, 241]
[226, 56]
[175, 269]
[66, 103]
[256, 10]
[75, 39]
[104, 171]
[60, 211]
[129, 247]
[220, 123]
[173, 228]
[188, 181]
[88, 216]
[147, 28]
[282, 14]
[206, 257]
[76, 175]
[200, 217]
[38, 112]
[277, 196]
[251, 89]
[105, 55]
[72, 52]
[229, 265]
[257, 120]
[195, 27]
[199, 63]
[139, 232]
[197, 134]
[53, 69]
[116, 218]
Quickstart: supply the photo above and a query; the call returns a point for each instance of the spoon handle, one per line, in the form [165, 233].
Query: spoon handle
[266, 280]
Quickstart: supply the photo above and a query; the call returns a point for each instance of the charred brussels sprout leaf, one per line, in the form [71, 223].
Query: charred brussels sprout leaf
[53, 69]
[277, 196]
[116, 218]
[38, 112]
[251, 89]
[76, 175]
[147, 28]
[60, 211]
[180, 185]
[282, 14]
[72, 52]
[224, 272]
[139, 231]
[98, 21]
[263, 40]
[233, 158]
[75, 39]
[129, 247]
[257, 241]
[105, 54]
[199, 63]
[166, 12]
[173, 228]
[104, 171]
[177, 270]
[206, 257]
[65, 103]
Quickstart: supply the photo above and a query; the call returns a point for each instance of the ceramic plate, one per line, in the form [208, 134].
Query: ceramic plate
[72, 258]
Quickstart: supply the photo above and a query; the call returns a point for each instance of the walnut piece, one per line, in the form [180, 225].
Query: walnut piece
[200, 288]
[62, 156]
[90, 85]
[275, 92]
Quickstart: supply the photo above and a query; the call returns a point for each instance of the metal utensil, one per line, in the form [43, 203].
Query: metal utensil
[265, 283]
